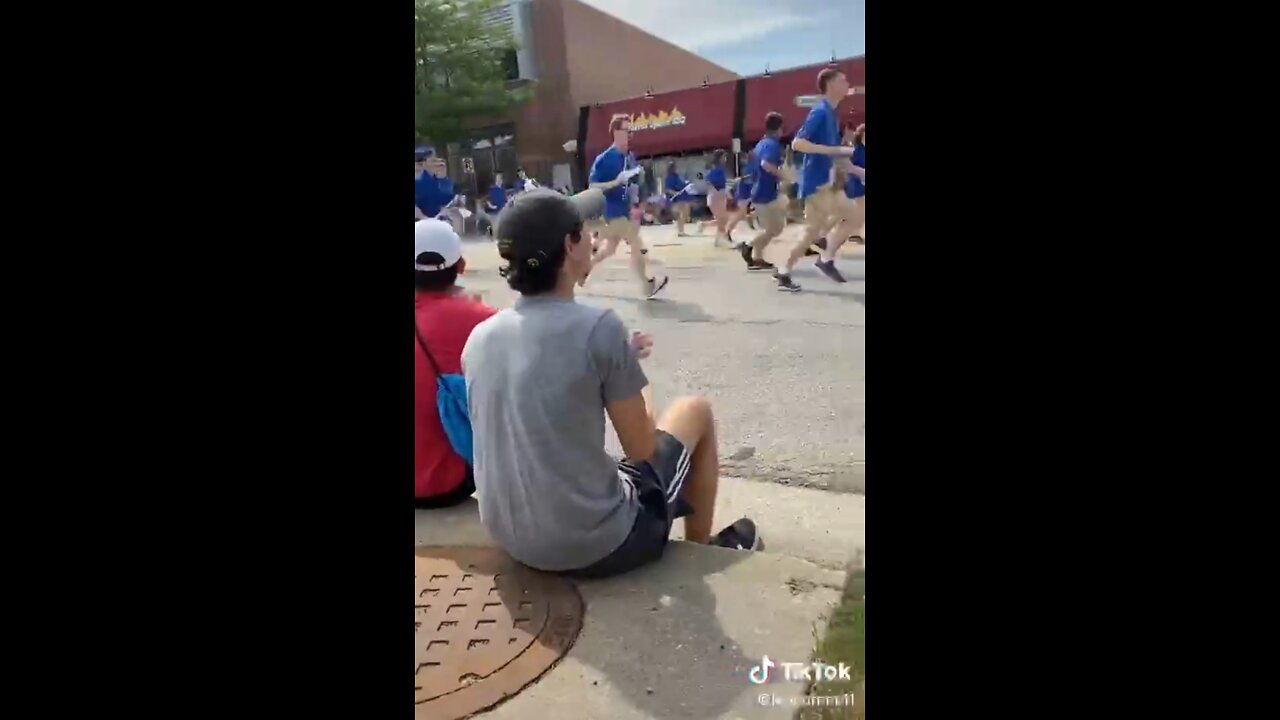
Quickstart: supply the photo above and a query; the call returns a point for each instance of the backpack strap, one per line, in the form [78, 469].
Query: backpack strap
[423, 344]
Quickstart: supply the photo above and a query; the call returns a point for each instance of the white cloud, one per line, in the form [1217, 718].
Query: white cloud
[702, 24]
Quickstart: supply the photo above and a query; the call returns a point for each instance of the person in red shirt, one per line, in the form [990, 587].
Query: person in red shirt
[445, 316]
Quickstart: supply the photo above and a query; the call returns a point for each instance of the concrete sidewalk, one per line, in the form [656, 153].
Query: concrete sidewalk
[825, 528]
[676, 639]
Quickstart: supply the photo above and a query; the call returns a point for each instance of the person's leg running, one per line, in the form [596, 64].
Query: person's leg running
[817, 212]
[689, 420]
[630, 233]
[736, 217]
[719, 203]
[847, 224]
[773, 218]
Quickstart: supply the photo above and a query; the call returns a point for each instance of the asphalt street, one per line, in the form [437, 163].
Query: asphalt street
[786, 372]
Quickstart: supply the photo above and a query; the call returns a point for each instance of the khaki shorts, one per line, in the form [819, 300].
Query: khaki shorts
[619, 228]
[773, 215]
[823, 209]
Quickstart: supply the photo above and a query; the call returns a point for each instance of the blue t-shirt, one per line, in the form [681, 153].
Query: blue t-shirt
[605, 169]
[820, 129]
[716, 177]
[674, 183]
[497, 197]
[749, 169]
[765, 188]
[431, 193]
[519, 184]
[853, 187]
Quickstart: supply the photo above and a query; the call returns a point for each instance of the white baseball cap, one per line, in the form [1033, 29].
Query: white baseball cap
[435, 236]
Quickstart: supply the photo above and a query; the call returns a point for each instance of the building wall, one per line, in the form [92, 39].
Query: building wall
[610, 59]
[581, 56]
[550, 117]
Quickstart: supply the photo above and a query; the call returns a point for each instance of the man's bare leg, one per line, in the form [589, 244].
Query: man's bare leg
[816, 221]
[690, 421]
[639, 264]
[773, 221]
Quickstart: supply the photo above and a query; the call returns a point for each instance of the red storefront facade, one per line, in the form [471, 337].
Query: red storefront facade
[788, 91]
[704, 118]
[668, 123]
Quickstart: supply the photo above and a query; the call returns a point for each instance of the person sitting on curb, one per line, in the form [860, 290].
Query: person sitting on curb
[444, 317]
[541, 377]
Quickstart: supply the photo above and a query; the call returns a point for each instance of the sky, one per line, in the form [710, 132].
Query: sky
[745, 35]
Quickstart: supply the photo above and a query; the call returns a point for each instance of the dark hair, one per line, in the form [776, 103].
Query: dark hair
[825, 77]
[773, 122]
[717, 157]
[434, 280]
[671, 167]
[615, 124]
[532, 242]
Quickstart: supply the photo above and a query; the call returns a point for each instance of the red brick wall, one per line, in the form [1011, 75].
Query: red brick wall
[610, 59]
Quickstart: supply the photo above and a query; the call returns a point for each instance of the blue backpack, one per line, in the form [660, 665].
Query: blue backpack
[451, 403]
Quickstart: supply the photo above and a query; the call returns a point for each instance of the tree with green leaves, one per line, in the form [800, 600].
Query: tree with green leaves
[462, 66]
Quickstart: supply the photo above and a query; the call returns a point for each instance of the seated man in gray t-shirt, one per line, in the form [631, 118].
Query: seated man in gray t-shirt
[540, 378]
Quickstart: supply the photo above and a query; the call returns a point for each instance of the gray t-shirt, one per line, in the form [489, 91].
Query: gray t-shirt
[538, 378]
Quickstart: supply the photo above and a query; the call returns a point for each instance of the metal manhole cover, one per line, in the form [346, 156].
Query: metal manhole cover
[484, 628]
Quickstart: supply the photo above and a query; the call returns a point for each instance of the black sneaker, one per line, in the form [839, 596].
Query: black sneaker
[828, 268]
[741, 535]
[655, 286]
[745, 251]
[785, 284]
[759, 266]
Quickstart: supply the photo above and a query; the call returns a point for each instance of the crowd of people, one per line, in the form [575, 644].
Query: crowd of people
[513, 403]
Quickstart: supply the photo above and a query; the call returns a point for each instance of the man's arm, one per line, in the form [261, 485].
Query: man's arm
[624, 387]
[600, 171]
[813, 125]
[849, 168]
[633, 421]
[805, 146]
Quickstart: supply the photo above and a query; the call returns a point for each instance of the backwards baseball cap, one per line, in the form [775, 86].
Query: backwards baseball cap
[422, 152]
[435, 245]
[531, 228]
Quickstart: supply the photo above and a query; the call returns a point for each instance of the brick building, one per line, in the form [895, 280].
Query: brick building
[572, 56]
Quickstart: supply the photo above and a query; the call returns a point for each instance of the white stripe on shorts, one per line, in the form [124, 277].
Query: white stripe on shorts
[682, 470]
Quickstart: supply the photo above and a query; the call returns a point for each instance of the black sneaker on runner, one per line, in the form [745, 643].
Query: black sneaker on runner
[785, 284]
[759, 266]
[745, 251]
[655, 286]
[741, 535]
[828, 268]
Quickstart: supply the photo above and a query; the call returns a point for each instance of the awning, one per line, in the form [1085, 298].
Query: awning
[668, 122]
[793, 92]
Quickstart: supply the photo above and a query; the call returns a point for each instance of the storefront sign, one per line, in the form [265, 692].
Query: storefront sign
[662, 119]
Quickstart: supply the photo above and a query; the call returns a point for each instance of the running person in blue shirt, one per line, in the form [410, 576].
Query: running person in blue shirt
[607, 175]
[718, 199]
[853, 212]
[767, 196]
[854, 187]
[819, 140]
[432, 188]
[674, 186]
[740, 206]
